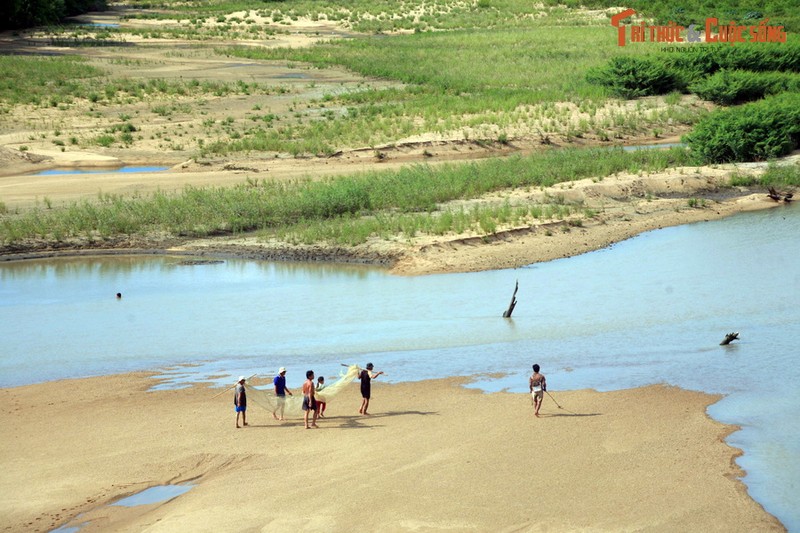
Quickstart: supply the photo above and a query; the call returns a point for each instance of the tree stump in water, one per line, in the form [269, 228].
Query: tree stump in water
[513, 304]
[730, 337]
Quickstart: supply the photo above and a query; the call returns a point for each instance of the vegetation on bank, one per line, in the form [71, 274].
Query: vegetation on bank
[28, 13]
[375, 16]
[391, 198]
[779, 12]
[758, 131]
[500, 69]
[731, 87]
[54, 80]
[475, 85]
[494, 85]
[727, 75]
[632, 77]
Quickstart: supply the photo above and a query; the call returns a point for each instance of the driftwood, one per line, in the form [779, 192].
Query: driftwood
[513, 304]
[730, 337]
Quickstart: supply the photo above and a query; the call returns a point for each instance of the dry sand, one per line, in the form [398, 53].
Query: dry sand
[433, 456]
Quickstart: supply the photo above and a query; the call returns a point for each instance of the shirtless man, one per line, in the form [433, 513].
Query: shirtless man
[538, 386]
[309, 400]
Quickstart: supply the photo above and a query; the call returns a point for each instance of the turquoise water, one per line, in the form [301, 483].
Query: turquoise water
[652, 309]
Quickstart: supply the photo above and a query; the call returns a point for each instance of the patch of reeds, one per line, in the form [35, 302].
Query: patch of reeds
[280, 206]
[781, 176]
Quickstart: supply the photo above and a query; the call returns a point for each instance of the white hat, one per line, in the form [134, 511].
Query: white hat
[282, 370]
[242, 378]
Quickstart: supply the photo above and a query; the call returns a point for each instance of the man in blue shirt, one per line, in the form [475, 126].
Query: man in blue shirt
[280, 392]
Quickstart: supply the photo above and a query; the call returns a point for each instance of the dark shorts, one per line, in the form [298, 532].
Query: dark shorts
[307, 407]
[240, 409]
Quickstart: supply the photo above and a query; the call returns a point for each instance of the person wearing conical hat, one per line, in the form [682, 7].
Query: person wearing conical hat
[281, 390]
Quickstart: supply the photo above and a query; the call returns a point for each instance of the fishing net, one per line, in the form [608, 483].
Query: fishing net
[293, 405]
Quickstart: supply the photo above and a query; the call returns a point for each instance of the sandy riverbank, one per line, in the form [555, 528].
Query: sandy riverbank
[433, 457]
[623, 205]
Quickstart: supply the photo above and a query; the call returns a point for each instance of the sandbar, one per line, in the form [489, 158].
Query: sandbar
[433, 456]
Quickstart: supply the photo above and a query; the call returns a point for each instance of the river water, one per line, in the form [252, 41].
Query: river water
[652, 309]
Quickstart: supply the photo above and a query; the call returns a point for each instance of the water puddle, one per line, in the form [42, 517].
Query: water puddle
[122, 170]
[635, 147]
[100, 24]
[66, 529]
[157, 494]
[153, 495]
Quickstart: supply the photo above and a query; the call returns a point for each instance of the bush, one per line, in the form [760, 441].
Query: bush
[707, 59]
[728, 87]
[631, 77]
[29, 13]
[752, 132]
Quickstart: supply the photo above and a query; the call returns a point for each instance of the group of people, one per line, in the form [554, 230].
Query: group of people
[312, 407]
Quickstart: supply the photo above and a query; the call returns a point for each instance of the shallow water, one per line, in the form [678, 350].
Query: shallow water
[96, 170]
[655, 146]
[652, 309]
[157, 494]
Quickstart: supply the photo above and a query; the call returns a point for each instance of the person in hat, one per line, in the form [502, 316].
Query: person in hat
[280, 392]
[322, 405]
[366, 376]
[240, 401]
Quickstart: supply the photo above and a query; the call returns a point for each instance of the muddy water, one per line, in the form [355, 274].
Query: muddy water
[652, 309]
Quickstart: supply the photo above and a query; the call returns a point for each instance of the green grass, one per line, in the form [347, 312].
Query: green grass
[781, 176]
[374, 16]
[481, 80]
[31, 79]
[482, 83]
[497, 69]
[408, 194]
[49, 81]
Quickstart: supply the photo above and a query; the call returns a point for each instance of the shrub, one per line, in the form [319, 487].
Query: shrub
[728, 87]
[708, 59]
[104, 140]
[752, 132]
[631, 77]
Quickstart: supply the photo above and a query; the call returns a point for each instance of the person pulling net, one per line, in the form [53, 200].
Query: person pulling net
[293, 405]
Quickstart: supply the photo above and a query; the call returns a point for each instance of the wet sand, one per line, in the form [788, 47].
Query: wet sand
[433, 456]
